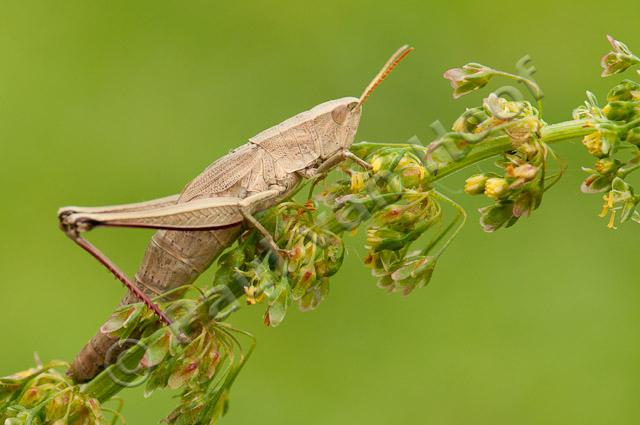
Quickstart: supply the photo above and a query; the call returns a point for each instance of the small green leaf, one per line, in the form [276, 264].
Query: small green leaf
[157, 350]
[495, 216]
[278, 307]
[121, 319]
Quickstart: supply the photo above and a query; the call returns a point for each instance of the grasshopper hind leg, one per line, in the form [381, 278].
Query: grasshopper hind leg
[119, 274]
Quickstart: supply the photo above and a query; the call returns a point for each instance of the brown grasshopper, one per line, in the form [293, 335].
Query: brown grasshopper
[208, 216]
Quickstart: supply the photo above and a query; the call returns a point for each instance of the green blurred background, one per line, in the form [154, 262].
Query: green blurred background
[119, 101]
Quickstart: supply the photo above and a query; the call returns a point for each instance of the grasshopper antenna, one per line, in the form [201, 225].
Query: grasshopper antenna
[393, 61]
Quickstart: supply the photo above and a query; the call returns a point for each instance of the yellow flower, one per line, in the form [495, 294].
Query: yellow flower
[597, 143]
[474, 185]
[496, 187]
[357, 181]
[605, 166]
[376, 164]
[250, 292]
[609, 206]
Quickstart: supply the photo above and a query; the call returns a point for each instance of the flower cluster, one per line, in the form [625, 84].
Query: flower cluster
[400, 206]
[313, 254]
[44, 395]
[518, 189]
[615, 140]
[389, 237]
[197, 354]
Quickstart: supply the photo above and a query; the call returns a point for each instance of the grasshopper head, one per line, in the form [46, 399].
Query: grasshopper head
[338, 119]
[336, 123]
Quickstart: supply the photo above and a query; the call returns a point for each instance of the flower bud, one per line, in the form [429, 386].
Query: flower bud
[412, 173]
[621, 110]
[618, 60]
[496, 187]
[633, 136]
[529, 150]
[525, 171]
[626, 90]
[380, 238]
[474, 185]
[470, 77]
[606, 166]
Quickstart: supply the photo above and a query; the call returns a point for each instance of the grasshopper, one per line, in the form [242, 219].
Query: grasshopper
[196, 225]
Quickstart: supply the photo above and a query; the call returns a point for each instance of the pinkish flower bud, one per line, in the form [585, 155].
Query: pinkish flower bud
[470, 77]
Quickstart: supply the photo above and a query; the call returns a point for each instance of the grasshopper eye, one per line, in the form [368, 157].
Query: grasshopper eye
[339, 114]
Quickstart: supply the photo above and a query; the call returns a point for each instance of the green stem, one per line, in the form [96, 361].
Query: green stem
[496, 145]
[531, 85]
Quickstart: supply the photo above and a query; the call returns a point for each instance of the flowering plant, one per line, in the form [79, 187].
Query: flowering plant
[408, 224]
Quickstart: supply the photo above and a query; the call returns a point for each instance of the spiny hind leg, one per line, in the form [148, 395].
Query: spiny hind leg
[119, 274]
[201, 214]
[158, 213]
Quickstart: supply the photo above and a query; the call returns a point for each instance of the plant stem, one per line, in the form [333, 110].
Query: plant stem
[493, 146]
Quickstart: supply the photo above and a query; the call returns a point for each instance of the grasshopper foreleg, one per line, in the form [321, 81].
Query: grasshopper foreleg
[250, 204]
[320, 173]
[355, 158]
